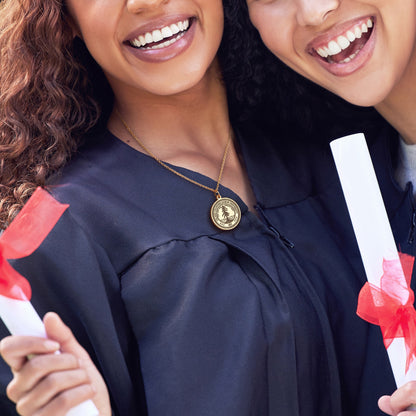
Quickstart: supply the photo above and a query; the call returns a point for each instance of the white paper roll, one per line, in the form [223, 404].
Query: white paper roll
[371, 227]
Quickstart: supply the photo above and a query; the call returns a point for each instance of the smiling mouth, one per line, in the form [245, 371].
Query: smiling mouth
[161, 38]
[344, 48]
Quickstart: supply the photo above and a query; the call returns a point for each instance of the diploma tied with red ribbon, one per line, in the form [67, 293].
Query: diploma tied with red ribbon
[386, 299]
[23, 236]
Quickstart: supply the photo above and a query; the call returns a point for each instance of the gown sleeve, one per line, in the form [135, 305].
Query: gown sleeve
[72, 275]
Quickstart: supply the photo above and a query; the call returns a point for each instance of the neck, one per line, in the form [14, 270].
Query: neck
[190, 130]
[399, 107]
[196, 118]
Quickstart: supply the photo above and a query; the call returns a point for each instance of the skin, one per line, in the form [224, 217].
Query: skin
[291, 28]
[388, 83]
[179, 94]
[51, 384]
[177, 89]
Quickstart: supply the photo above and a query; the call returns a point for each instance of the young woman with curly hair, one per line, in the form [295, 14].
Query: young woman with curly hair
[119, 109]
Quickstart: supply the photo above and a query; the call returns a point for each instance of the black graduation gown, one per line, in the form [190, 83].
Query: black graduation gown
[179, 317]
[310, 211]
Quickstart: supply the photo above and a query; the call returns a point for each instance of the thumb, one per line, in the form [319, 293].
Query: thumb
[59, 332]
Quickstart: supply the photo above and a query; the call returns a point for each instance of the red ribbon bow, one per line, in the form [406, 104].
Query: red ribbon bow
[391, 305]
[23, 236]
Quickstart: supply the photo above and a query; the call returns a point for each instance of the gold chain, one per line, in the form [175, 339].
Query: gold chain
[224, 157]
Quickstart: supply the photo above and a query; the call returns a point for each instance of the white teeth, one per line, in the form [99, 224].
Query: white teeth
[148, 38]
[159, 35]
[174, 28]
[136, 43]
[334, 48]
[167, 43]
[167, 32]
[322, 52]
[350, 36]
[351, 57]
[344, 41]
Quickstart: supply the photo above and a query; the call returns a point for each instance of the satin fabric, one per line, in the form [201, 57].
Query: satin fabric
[180, 318]
[311, 213]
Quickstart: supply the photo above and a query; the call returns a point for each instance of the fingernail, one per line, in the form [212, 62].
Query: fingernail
[51, 345]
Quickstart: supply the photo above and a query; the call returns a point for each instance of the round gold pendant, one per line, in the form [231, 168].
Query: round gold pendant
[225, 214]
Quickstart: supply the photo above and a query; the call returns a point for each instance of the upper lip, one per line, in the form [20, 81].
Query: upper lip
[156, 24]
[335, 32]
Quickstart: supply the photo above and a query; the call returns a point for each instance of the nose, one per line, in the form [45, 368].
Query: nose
[135, 6]
[315, 12]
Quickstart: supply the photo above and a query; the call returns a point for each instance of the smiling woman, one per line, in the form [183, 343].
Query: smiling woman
[342, 45]
[363, 51]
[119, 108]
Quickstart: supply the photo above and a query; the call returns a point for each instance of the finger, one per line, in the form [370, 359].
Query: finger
[384, 405]
[16, 348]
[52, 387]
[68, 400]
[59, 332]
[404, 397]
[37, 369]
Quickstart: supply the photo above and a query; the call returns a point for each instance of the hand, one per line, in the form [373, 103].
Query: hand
[50, 384]
[399, 403]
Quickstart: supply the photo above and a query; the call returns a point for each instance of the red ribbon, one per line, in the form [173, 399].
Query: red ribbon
[391, 305]
[23, 236]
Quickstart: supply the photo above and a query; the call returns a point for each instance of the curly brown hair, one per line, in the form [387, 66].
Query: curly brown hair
[46, 101]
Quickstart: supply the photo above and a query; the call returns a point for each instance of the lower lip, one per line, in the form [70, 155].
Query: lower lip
[168, 52]
[348, 68]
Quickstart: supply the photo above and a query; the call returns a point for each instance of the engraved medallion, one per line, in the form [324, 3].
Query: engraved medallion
[225, 214]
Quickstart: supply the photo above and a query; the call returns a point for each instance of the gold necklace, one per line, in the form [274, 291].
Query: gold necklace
[225, 212]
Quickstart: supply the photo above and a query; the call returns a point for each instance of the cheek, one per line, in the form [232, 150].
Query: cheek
[280, 43]
[275, 29]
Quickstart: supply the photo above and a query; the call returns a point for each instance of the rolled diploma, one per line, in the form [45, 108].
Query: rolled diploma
[371, 227]
[21, 318]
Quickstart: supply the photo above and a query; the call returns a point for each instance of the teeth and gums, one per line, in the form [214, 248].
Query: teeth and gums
[342, 42]
[156, 36]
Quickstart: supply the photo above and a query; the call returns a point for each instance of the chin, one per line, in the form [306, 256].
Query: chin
[363, 98]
